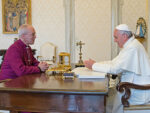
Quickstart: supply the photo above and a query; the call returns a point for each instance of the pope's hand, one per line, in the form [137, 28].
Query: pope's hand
[89, 63]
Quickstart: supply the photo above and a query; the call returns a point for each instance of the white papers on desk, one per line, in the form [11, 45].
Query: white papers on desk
[83, 72]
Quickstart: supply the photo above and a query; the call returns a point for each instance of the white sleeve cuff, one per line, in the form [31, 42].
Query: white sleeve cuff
[101, 67]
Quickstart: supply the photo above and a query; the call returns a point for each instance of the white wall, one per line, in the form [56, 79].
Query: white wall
[48, 18]
[92, 24]
[131, 11]
[93, 27]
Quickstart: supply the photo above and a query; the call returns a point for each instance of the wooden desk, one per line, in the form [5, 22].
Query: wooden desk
[41, 93]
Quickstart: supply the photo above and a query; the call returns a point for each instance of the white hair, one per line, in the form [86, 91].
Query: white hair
[128, 33]
[23, 29]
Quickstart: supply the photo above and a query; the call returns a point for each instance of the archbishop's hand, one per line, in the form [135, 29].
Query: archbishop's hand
[43, 66]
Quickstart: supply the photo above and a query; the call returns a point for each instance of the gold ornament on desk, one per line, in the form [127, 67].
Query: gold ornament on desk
[80, 62]
[63, 64]
[64, 59]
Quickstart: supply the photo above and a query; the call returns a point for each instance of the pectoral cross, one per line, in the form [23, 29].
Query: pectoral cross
[80, 54]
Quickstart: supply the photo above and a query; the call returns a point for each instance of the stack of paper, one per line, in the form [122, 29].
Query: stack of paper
[83, 72]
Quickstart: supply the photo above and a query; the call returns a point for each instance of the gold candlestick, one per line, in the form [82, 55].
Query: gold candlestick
[80, 62]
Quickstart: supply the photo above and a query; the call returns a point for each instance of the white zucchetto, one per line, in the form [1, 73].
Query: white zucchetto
[123, 27]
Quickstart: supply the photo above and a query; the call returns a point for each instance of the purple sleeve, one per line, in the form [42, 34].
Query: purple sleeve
[35, 61]
[17, 63]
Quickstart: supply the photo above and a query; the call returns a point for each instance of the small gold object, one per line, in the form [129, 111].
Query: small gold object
[64, 59]
[63, 64]
[68, 75]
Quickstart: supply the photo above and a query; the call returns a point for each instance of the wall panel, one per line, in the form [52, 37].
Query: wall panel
[93, 27]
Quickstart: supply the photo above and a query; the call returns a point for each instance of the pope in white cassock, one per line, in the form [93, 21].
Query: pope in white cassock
[132, 63]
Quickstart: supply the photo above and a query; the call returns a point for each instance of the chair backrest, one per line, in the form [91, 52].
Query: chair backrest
[48, 52]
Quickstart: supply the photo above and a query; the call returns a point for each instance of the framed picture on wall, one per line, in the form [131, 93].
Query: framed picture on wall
[14, 14]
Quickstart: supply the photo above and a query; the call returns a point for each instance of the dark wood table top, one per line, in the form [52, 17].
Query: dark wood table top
[55, 84]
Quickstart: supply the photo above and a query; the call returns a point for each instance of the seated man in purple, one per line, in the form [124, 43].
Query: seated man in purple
[19, 59]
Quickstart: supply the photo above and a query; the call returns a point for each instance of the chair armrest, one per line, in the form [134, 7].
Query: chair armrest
[126, 88]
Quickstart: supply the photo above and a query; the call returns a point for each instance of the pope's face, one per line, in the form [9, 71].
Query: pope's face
[30, 36]
[119, 38]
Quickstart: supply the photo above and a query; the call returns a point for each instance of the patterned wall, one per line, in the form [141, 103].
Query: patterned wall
[92, 24]
[48, 18]
[93, 27]
[132, 10]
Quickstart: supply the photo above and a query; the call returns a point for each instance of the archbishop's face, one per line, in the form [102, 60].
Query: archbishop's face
[30, 36]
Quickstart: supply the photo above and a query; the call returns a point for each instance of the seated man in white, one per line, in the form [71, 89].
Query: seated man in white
[132, 63]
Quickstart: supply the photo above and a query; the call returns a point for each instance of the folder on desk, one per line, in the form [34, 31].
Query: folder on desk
[83, 72]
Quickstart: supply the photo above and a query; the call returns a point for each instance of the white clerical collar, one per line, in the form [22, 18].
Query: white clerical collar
[128, 41]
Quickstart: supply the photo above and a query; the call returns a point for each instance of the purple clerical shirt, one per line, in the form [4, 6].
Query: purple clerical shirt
[18, 61]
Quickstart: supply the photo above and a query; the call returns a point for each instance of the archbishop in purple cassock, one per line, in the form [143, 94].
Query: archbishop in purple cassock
[19, 59]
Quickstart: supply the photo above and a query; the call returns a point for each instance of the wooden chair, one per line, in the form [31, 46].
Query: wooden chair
[126, 87]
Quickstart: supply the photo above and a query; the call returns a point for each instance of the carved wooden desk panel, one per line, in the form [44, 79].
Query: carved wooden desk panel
[41, 93]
